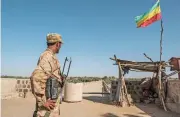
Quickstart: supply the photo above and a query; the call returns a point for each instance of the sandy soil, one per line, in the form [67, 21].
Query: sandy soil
[92, 105]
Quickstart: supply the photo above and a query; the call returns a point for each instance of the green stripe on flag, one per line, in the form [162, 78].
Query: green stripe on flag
[138, 18]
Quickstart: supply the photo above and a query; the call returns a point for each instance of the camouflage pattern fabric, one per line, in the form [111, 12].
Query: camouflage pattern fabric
[54, 37]
[47, 66]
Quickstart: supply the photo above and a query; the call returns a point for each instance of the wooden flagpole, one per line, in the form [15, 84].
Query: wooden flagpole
[161, 40]
[159, 70]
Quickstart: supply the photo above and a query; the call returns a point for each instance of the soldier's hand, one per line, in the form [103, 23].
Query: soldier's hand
[63, 77]
[50, 104]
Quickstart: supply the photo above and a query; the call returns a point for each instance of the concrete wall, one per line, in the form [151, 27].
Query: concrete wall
[173, 96]
[133, 88]
[8, 88]
[173, 93]
[23, 87]
[17, 87]
[12, 87]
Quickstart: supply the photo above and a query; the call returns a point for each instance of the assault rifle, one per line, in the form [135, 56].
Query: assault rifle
[52, 86]
[64, 76]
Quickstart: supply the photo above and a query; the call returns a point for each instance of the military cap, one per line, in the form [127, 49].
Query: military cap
[54, 37]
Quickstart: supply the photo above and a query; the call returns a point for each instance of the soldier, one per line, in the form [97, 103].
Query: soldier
[47, 66]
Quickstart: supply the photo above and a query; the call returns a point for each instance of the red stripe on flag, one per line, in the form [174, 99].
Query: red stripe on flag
[151, 20]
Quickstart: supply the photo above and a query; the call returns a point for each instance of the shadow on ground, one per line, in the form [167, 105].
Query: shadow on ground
[109, 115]
[148, 109]
[113, 115]
[155, 111]
[98, 99]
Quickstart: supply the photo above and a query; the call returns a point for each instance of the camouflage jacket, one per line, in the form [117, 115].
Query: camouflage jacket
[47, 66]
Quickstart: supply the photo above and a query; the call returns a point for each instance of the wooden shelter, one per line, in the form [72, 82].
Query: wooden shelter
[157, 68]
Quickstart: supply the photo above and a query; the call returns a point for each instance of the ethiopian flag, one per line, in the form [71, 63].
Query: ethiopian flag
[154, 14]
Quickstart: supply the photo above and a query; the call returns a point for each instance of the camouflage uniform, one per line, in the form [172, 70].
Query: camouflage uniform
[48, 65]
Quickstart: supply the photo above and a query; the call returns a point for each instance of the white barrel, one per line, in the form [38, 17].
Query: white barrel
[73, 92]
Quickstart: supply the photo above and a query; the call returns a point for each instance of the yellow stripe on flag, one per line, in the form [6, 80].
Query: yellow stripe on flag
[150, 15]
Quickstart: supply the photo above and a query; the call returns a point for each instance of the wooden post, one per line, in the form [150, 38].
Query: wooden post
[160, 88]
[161, 40]
[148, 57]
[121, 84]
[159, 70]
[119, 90]
[123, 90]
[179, 69]
[126, 93]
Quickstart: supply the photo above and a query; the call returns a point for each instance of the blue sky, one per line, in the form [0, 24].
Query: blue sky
[93, 31]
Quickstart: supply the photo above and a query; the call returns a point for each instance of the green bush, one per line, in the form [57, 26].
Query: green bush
[15, 77]
[82, 79]
[108, 79]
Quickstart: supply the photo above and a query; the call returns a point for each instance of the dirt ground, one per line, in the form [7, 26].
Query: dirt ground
[92, 105]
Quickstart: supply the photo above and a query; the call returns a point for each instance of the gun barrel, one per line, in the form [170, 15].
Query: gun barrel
[64, 64]
[69, 67]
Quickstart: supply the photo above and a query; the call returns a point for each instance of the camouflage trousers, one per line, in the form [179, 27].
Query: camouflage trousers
[45, 113]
